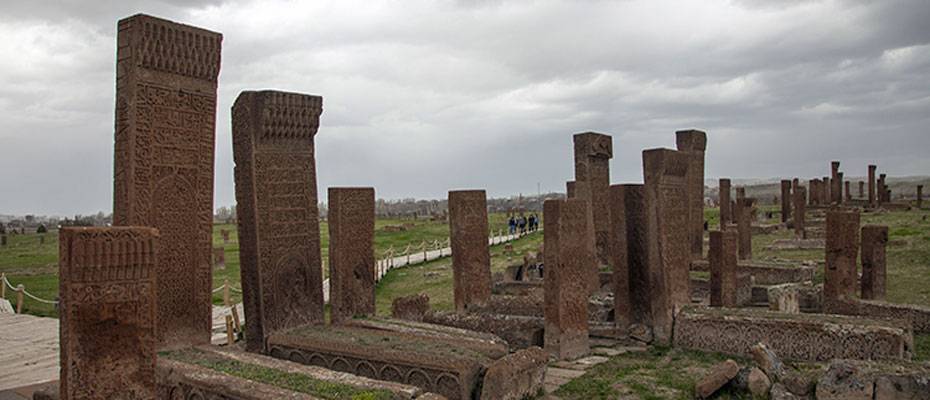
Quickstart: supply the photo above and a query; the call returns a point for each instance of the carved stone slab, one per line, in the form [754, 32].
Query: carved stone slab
[471, 261]
[351, 252]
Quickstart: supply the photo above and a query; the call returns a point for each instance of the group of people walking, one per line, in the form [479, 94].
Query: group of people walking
[523, 224]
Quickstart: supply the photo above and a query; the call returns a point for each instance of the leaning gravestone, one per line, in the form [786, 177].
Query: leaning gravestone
[166, 80]
[351, 253]
[279, 228]
[108, 317]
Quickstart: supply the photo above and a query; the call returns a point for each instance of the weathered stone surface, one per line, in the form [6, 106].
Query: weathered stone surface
[758, 383]
[166, 82]
[723, 268]
[874, 240]
[108, 311]
[518, 288]
[352, 253]
[668, 256]
[744, 226]
[520, 332]
[784, 298]
[836, 183]
[724, 199]
[517, 376]
[785, 200]
[569, 255]
[529, 306]
[276, 205]
[768, 361]
[484, 343]
[593, 152]
[471, 261]
[842, 251]
[718, 376]
[902, 387]
[918, 317]
[812, 337]
[619, 257]
[413, 307]
[767, 273]
[800, 383]
[779, 392]
[800, 202]
[844, 381]
[861, 189]
[637, 254]
[694, 143]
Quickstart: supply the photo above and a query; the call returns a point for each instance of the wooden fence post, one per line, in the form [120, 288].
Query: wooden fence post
[2, 285]
[235, 314]
[20, 289]
[230, 336]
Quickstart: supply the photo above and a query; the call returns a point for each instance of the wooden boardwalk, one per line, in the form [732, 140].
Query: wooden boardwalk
[28, 350]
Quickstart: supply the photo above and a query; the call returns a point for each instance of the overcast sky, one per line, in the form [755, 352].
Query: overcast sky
[421, 97]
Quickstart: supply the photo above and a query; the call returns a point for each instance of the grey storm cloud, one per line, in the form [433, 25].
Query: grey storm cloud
[425, 96]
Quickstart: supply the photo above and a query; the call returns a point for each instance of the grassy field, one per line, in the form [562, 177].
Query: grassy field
[33, 262]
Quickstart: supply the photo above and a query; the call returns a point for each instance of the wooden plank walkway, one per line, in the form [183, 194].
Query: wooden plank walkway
[28, 350]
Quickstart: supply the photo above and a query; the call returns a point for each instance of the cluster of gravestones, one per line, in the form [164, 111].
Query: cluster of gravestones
[143, 287]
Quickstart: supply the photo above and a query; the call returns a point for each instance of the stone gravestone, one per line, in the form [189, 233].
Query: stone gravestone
[471, 259]
[723, 268]
[842, 251]
[166, 77]
[827, 191]
[108, 303]
[569, 251]
[593, 152]
[881, 189]
[874, 240]
[724, 199]
[872, 199]
[848, 191]
[668, 256]
[861, 189]
[225, 235]
[744, 227]
[785, 200]
[800, 204]
[219, 258]
[920, 196]
[352, 253]
[619, 257]
[276, 203]
[837, 183]
[637, 240]
[694, 144]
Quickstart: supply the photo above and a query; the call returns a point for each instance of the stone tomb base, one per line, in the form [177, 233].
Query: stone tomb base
[444, 360]
[798, 244]
[766, 274]
[917, 316]
[801, 337]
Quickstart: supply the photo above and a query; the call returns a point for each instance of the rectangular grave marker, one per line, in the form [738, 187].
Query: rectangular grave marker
[723, 268]
[471, 260]
[569, 252]
[352, 252]
[724, 199]
[874, 240]
[842, 252]
[694, 143]
[593, 152]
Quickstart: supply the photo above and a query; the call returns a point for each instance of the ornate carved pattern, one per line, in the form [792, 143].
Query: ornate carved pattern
[351, 252]
[277, 206]
[795, 337]
[434, 380]
[107, 312]
[471, 261]
[164, 142]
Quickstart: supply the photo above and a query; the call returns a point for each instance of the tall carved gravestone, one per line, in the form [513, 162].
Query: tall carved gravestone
[874, 240]
[861, 189]
[276, 204]
[637, 255]
[669, 255]
[108, 302]
[569, 251]
[812, 191]
[351, 252]
[800, 204]
[840, 183]
[842, 251]
[744, 226]
[837, 183]
[166, 77]
[723, 268]
[872, 199]
[848, 191]
[593, 152]
[785, 200]
[471, 261]
[694, 144]
[827, 191]
[619, 257]
[724, 200]
[881, 189]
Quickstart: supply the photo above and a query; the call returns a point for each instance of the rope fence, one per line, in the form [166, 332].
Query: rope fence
[411, 255]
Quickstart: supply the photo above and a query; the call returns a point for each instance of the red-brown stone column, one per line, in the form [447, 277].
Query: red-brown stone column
[593, 152]
[848, 191]
[669, 256]
[276, 205]
[785, 200]
[637, 254]
[723, 268]
[842, 251]
[827, 191]
[800, 204]
[874, 240]
[471, 261]
[694, 143]
[724, 199]
[744, 227]
[619, 260]
[837, 183]
[812, 188]
[570, 189]
[569, 251]
[108, 309]
[352, 253]
[872, 199]
[882, 189]
[166, 82]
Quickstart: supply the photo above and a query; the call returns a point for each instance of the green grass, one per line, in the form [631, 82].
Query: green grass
[274, 377]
